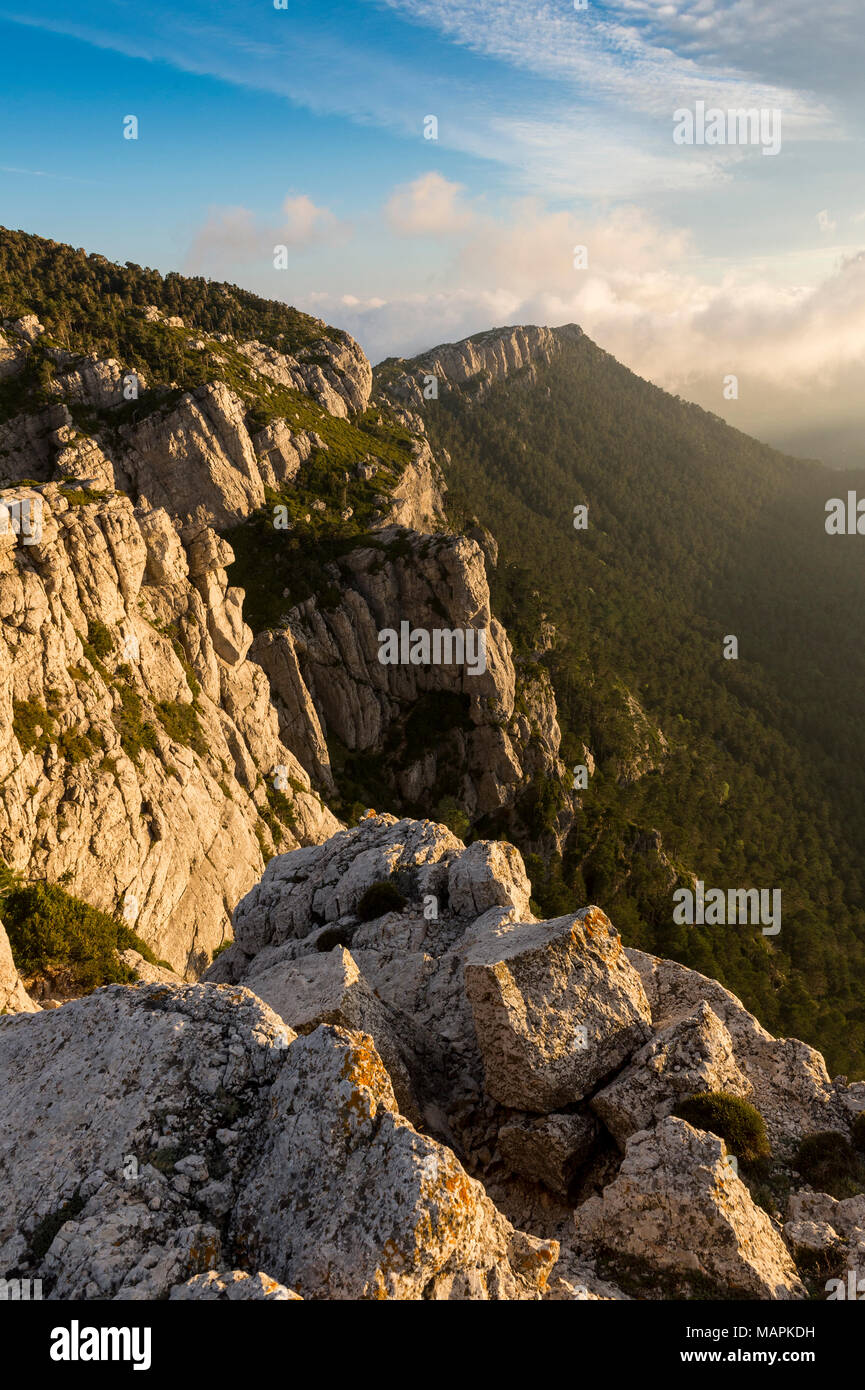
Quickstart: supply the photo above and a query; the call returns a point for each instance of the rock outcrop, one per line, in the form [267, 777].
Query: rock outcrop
[137, 743]
[348, 1106]
[678, 1208]
[788, 1080]
[14, 998]
[176, 1129]
[475, 362]
[557, 1007]
[474, 728]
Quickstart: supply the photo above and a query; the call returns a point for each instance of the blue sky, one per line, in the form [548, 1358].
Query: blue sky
[304, 126]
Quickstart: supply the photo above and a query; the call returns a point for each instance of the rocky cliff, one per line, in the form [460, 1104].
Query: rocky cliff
[136, 739]
[155, 749]
[474, 363]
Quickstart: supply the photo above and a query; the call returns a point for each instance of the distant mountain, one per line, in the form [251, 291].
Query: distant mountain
[740, 773]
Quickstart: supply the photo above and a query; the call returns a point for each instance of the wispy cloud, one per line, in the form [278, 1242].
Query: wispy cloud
[234, 234]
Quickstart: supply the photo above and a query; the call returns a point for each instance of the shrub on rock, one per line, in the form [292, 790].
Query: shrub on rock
[378, 899]
[829, 1162]
[734, 1120]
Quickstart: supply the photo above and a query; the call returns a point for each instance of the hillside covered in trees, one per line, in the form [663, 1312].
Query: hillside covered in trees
[694, 532]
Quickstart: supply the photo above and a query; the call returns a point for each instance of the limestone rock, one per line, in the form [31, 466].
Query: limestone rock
[129, 1081]
[677, 1209]
[480, 360]
[827, 1234]
[13, 996]
[299, 725]
[97, 382]
[790, 1085]
[347, 1201]
[27, 327]
[146, 972]
[233, 1285]
[171, 817]
[550, 1149]
[327, 987]
[197, 460]
[124, 1181]
[533, 990]
[693, 1054]
[30, 444]
[492, 743]
[489, 874]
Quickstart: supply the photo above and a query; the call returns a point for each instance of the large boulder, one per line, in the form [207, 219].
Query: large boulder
[549, 1149]
[347, 1201]
[681, 1220]
[102, 1100]
[557, 1007]
[790, 1084]
[154, 1134]
[327, 987]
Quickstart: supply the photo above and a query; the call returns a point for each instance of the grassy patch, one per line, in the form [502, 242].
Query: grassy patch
[32, 726]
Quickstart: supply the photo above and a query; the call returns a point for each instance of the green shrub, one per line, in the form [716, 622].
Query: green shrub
[449, 812]
[99, 637]
[732, 1119]
[829, 1162]
[32, 725]
[181, 723]
[56, 935]
[378, 899]
[75, 746]
[135, 733]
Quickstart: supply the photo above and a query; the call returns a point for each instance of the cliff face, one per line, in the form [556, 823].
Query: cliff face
[136, 738]
[475, 362]
[478, 731]
[143, 730]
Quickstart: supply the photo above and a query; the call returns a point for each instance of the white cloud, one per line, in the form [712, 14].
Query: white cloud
[234, 234]
[304, 224]
[615, 54]
[430, 206]
[798, 350]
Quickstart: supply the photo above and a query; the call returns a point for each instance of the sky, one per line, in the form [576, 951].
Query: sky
[556, 127]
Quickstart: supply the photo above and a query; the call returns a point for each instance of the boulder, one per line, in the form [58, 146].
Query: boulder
[232, 1285]
[682, 1220]
[347, 1201]
[790, 1085]
[550, 1149]
[691, 1055]
[556, 1006]
[327, 987]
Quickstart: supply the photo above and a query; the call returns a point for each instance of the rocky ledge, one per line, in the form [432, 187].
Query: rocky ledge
[397, 1083]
